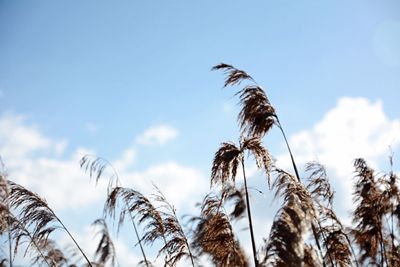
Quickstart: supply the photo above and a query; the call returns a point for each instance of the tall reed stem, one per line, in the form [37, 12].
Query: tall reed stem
[139, 241]
[253, 243]
[314, 230]
[10, 245]
[73, 239]
[183, 234]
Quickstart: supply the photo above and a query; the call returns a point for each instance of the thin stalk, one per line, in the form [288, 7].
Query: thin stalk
[73, 239]
[288, 147]
[352, 250]
[10, 245]
[190, 252]
[139, 241]
[298, 178]
[22, 227]
[314, 230]
[324, 238]
[392, 233]
[383, 250]
[253, 243]
[183, 234]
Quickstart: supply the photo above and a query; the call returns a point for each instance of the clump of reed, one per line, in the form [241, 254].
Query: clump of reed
[305, 230]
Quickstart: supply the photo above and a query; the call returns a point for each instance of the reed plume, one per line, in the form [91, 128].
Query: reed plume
[391, 199]
[213, 235]
[5, 223]
[225, 165]
[51, 255]
[15, 229]
[141, 207]
[177, 245]
[35, 213]
[257, 115]
[285, 246]
[230, 193]
[337, 244]
[96, 166]
[368, 215]
[105, 251]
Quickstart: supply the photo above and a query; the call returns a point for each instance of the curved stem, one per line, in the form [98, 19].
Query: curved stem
[383, 249]
[352, 251]
[190, 252]
[253, 243]
[183, 234]
[139, 241]
[10, 245]
[288, 147]
[32, 240]
[73, 239]
[298, 178]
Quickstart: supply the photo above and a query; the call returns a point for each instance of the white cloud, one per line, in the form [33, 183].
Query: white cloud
[157, 135]
[17, 140]
[355, 128]
[33, 160]
[177, 182]
[88, 240]
[126, 160]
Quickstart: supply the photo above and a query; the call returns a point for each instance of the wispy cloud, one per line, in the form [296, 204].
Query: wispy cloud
[157, 135]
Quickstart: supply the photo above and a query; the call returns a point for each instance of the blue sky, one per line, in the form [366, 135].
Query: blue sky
[133, 78]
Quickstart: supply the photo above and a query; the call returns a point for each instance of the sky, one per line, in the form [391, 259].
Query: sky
[131, 81]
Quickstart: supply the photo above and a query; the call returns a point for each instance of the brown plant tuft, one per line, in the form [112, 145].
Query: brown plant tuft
[234, 75]
[177, 245]
[213, 235]
[140, 207]
[285, 246]
[105, 251]
[229, 156]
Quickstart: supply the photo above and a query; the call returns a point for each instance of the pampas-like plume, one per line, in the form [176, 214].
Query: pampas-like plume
[229, 156]
[224, 169]
[16, 230]
[177, 244]
[368, 215]
[96, 167]
[231, 193]
[311, 258]
[391, 199]
[52, 256]
[318, 183]
[105, 251]
[285, 246]
[337, 244]
[213, 235]
[257, 115]
[137, 204]
[34, 212]
[5, 223]
[234, 75]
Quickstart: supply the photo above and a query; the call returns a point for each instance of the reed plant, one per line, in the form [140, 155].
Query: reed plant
[305, 231]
